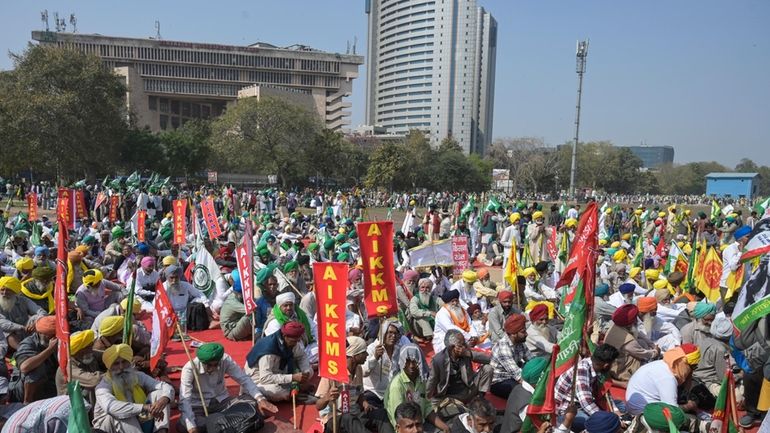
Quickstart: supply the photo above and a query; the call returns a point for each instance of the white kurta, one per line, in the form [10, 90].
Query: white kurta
[443, 324]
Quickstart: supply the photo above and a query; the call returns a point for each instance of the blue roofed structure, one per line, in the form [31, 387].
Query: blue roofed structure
[732, 185]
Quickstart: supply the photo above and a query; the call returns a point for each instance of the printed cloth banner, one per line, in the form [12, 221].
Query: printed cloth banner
[210, 218]
[163, 322]
[32, 206]
[331, 283]
[141, 218]
[460, 256]
[80, 204]
[379, 274]
[60, 299]
[64, 211]
[180, 210]
[244, 255]
[114, 203]
[434, 253]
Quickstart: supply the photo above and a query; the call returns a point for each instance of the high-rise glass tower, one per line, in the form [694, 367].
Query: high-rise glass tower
[431, 66]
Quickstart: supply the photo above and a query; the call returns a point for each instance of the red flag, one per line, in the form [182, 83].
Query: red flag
[244, 256]
[114, 203]
[379, 273]
[141, 218]
[331, 288]
[543, 401]
[210, 218]
[584, 245]
[661, 248]
[101, 198]
[64, 209]
[32, 206]
[163, 322]
[80, 204]
[60, 299]
[180, 223]
[553, 249]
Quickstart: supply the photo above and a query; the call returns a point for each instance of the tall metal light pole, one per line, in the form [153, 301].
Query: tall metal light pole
[582, 53]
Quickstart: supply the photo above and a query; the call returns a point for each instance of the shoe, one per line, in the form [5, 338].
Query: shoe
[303, 398]
[748, 420]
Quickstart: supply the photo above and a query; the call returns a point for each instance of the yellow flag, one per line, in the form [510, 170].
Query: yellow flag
[512, 268]
[734, 281]
[710, 274]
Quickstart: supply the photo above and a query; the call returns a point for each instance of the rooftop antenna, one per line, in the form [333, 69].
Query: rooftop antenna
[44, 18]
[347, 50]
[157, 29]
[61, 25]
[74, 23]
[355, 41]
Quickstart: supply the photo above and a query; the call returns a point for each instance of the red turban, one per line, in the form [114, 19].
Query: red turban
[473, 308]
[505, 295]
[46, 325]
[538, 312]
[647, 304]
[481, 273]
[514, 323]
[625, 315]
[293, 330]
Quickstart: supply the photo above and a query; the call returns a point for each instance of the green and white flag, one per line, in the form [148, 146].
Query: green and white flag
[762, 207]
[754, 298]
[716, 211]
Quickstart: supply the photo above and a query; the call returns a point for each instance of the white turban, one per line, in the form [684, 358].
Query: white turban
[721, 327]
[284, 298]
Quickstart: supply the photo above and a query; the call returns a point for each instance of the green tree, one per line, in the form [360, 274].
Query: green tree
[186, 149]
[387, 167]
[140, 149]
[324, 154]
[267, 135]
[62, 112]
[449, 144]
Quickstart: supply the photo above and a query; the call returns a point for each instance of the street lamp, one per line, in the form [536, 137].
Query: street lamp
[580, 68]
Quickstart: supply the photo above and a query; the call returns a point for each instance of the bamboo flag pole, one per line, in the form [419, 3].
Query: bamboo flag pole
[194, 370]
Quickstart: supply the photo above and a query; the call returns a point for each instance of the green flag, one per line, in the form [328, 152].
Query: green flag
[3, 235]
[716, 211]
[128, 322]
[724, 406]
[638, 253]
[691, 262]
[493, 204]
[563, 209]
[37, 234]
[542, 405]
[78, 419]
[134, 179]
[762, 207]
[468, 208]
[572, 333]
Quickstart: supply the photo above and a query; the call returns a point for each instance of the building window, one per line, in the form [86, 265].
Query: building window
[163, 121]
[175, 122]
[163, 105]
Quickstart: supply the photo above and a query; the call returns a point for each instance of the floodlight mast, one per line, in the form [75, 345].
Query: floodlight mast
[580, 68]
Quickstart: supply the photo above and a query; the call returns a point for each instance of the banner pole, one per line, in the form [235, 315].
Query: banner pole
[194, 370]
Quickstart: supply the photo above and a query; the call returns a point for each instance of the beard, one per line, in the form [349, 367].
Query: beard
[7, 303]
[424, 298]
[125, 381]
[648, 323]
[634, 331]
[174, 288]
[87, 359]
[456, 310]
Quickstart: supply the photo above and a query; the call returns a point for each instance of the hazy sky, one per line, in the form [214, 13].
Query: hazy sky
[693, 74]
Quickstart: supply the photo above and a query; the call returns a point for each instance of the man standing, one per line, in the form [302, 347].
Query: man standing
[731, 256]
[127, 400]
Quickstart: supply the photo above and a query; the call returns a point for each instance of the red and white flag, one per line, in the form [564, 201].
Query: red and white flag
[244, 257]
[60, 299]
[163, 322]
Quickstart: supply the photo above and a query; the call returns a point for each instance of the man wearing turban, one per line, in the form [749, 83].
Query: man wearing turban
[695, 331]
[453, 316]
[520, 396]
[146, 279]
[464, 288]
[127, 400]
[95, 295]
[212, 364]
[36, 360]
[268, 286]
[18, 314]
[498, 313]
[664, 334]
[84, 364]
[235, 323]
[509, 355]
[110, 333]
[624, 295]
[278, 360]
[140, 333]
[714, 350]
[658, 381]
[538, 234]
[286, 310]
[39, 288]
[422, 311]
[541, 336]
[452, 375]
[634, 347]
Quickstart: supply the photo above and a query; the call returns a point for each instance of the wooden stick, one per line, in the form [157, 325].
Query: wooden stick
[334, 416]
[294, 407]
[194, 370]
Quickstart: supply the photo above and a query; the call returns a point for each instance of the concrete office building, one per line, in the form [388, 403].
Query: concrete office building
[170, 82]
[653, 156]
[431, 66]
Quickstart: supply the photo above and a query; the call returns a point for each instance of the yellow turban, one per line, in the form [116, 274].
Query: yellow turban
[170, 260]
[680, 244]
[469, 276]
[116, 351]
[529, 271]
[608, 210]
[110, 326]
[722, 247]
[82, 249]
[662, 214]
[137, 305]
[602, 242]
[687, 249]
[619, 256]
[638, 212]
[626, 236]
[11, 283]
[634, 271]
[537, 215]
[660, 284]
[81, 340]
[652, 274]
[514, 217]
[25, 264]
[615, 244]
[570, 223]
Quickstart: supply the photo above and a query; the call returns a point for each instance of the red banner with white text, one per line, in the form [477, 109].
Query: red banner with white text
[180, 221]
[379, 273]
[163, 322]
[60, 299]
[244, 256]
[141, 220]
[32, 206]
[114, 203]
[80, 204]
[64, 209]
[331, 284]
[210, 218]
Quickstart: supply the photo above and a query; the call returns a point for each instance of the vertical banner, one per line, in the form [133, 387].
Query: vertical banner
[244, 256]
[141, 219]
[32, 206]
[80, 204]
[331, 285]
[551, 247]
[163, 322]
[460, 256]
[114, 203]
[64, 211]
[60, 298]
[379, 273]
[101, 198]
[210, 218]
[180, 209]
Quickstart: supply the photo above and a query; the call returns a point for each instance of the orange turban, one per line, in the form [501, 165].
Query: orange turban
[75, 256]
[46, 325]
[481, 273]
[504, 295]
[514, 323]
[647, 304]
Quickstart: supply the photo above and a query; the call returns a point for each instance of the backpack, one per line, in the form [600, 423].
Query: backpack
[237, 415]
[197, 318]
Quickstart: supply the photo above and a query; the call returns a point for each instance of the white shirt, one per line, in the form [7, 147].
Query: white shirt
[731, 258]
[187, 294]
[443, 324]
[653, 382]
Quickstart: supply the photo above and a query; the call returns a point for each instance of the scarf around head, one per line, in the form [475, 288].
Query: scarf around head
[137, 393]
[301, 316]
[47, 294]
